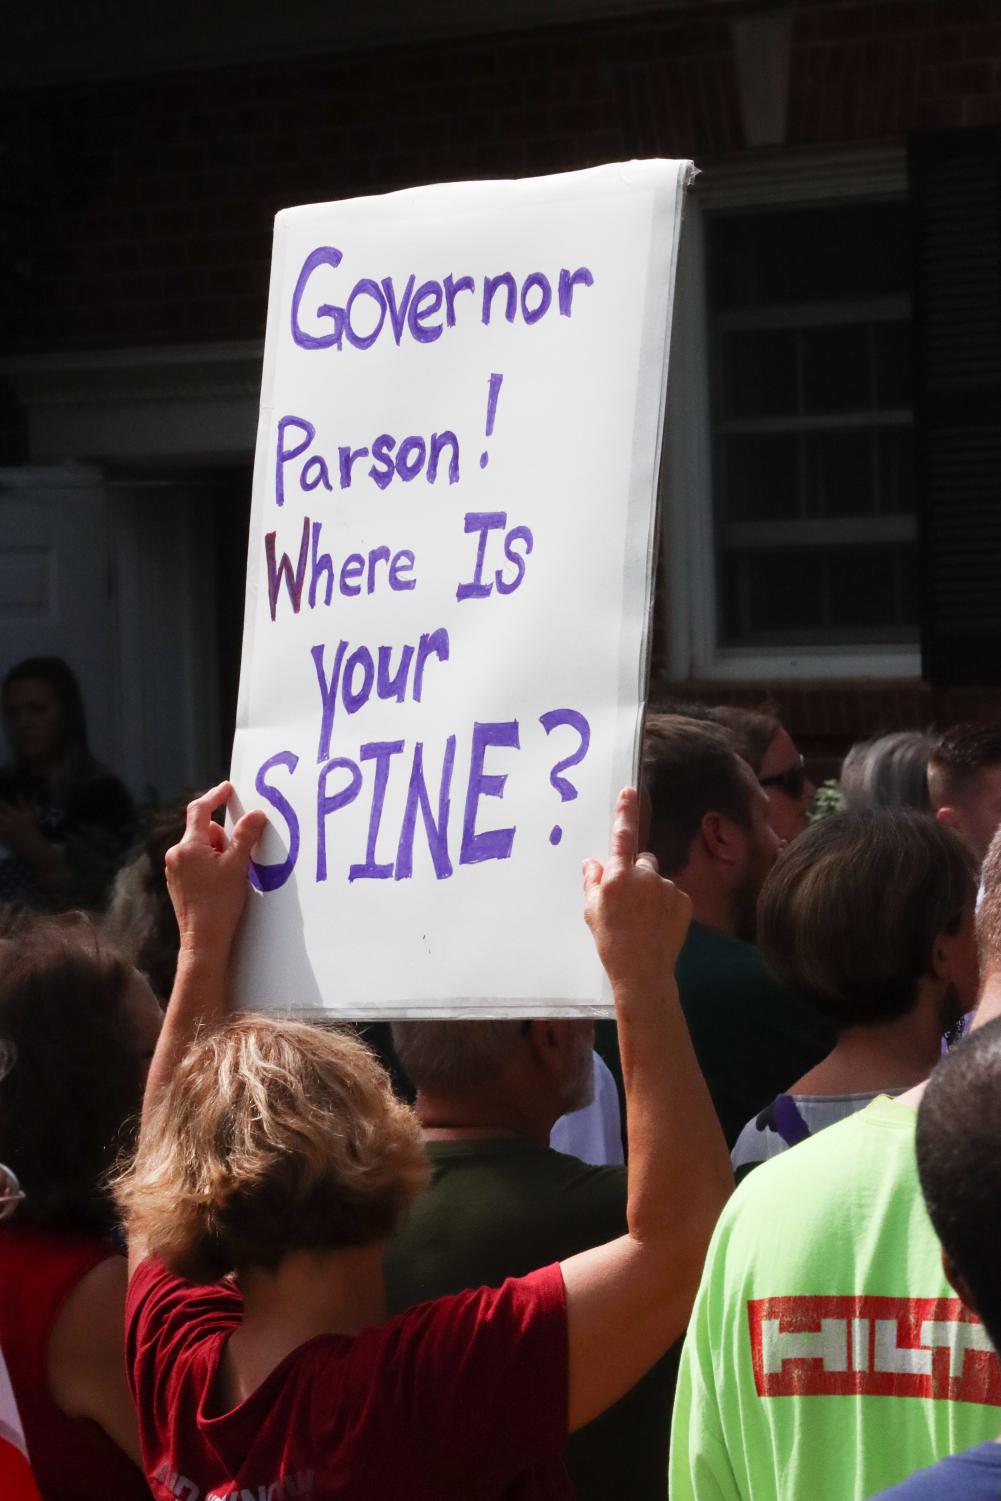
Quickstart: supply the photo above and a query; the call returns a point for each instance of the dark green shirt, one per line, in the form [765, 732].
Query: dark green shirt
[753, 1038]
[501, 1208]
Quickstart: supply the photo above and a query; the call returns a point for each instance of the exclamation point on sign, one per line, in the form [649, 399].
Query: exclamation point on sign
[492, 395]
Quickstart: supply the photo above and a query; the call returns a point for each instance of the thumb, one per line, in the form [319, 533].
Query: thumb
[247, 832]
[593, 872]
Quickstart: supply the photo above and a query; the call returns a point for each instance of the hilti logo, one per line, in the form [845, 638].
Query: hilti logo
[873, 1347]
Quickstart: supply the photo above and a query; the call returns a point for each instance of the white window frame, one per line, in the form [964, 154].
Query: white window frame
[689, 562]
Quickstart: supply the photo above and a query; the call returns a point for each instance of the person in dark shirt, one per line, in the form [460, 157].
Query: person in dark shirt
[66, 823]
[710, 831]
[501, 1202]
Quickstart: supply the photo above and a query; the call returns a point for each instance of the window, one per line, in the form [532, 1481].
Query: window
[811, 425]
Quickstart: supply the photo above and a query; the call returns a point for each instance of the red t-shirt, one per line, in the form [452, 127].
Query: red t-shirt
[462, 1399]
[72, 1458]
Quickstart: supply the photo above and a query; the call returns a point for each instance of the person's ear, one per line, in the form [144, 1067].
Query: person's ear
[722, 839]
[941, 956]
[951, 817]
[547, 1043]
[958, 1283]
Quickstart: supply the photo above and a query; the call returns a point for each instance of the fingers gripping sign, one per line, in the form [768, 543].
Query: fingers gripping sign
[638, 919]
[207, 871]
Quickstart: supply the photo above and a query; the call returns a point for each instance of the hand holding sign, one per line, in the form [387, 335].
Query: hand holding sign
[637, 918]
[448, 589]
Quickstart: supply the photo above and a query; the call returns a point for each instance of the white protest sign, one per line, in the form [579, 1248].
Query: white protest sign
[449, 583]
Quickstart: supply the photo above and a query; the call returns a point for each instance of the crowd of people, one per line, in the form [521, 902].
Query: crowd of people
[240, 1257]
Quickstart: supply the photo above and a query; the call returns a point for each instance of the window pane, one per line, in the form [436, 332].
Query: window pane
[812, 594]
[808, 255]
[895, 457]
[760, 479]
[893, 365]
[907, 578]
[773, 590]
[862, 590]
[836, 369]
[839, 474]
[759, 374]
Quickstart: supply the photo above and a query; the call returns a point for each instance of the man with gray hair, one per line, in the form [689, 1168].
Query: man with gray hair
[502, 1201]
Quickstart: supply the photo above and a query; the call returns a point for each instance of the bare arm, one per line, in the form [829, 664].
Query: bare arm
[86, 1356]
[629, 1300]
[207, 878]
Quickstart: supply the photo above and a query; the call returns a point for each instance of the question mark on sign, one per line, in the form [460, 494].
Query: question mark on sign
[566, 789]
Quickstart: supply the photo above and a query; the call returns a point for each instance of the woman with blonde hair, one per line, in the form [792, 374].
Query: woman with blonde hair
[273, 1163]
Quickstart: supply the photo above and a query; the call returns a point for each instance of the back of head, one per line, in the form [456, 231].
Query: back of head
[271, 1137]
[849, 913]
[70, 1071]
[891, 772]
[959, 1163]
[751, 731]
[140, 920]
[689, 769]
[450, 1057]
[958, 758]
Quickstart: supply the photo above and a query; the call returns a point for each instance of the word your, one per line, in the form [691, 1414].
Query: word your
[870, 1346]
[423, 312]
[414, 456]
[339, 783]
[358, 571]
[360, 675]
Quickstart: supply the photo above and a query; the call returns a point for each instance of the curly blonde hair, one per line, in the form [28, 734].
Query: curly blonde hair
[271, 1137]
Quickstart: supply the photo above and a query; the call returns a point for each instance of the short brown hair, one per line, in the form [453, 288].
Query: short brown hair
[989, 909]
[689, 769]
[849, 913]
[751, 730]
[956, 760]
[271, 1137]
[70, 1070]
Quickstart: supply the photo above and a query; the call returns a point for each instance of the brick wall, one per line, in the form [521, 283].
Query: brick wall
[138, 211]
[825, 719]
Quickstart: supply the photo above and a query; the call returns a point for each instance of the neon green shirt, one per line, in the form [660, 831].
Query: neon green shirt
[827, 1356]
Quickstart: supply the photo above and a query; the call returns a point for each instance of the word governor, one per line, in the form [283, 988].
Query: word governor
[358, 573]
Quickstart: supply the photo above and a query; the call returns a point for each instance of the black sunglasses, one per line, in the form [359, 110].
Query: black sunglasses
[792, 781]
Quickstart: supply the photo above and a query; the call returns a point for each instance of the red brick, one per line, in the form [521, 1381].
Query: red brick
[984, 111]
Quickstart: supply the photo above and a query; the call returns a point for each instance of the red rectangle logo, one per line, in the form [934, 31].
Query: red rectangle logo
[873, 1347]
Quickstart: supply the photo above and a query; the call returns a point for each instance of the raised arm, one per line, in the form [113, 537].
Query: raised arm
[207, 879]
[629, 1300]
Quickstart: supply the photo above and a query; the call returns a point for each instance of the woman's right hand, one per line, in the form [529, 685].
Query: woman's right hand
[207, 872]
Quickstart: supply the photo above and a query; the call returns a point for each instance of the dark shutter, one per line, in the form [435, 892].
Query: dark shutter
[955, 179]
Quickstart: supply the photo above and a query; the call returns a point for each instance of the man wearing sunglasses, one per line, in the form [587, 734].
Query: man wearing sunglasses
[712, 832]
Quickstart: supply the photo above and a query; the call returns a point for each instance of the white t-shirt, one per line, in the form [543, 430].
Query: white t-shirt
[594, 1134]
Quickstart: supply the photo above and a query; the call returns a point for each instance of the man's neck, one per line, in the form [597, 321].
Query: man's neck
[989, 1005]
[711, 906]
[478, 1118]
